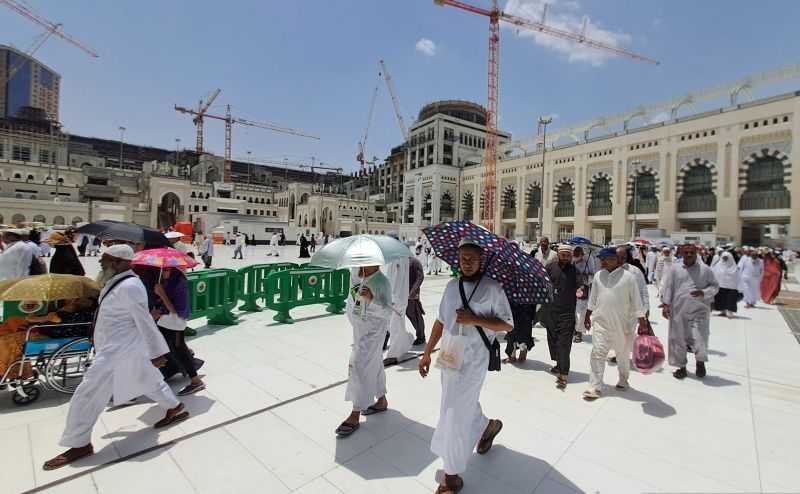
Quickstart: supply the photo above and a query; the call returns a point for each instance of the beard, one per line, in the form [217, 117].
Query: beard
[103, 276]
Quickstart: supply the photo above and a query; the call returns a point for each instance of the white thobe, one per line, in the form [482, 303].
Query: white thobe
[273, 245]
[15, 261]
[589, 267]
[126, 339]
[545, 259]
[461, 419]
[751, 271]
[663, 265]
[367, 380]
[400, 338]
[615, 300]
[641, 285]
[689, 322]
[650, 265]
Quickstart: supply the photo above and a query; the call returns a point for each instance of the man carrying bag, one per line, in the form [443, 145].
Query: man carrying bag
[472, 310]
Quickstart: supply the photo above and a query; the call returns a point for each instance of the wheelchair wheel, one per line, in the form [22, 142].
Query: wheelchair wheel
[31, 394]
[66, 367]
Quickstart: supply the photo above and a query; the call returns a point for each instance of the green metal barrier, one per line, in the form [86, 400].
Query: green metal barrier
[214, 294]
[253, 283]
[292, 288]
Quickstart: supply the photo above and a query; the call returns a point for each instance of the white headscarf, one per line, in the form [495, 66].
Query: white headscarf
[726, 271]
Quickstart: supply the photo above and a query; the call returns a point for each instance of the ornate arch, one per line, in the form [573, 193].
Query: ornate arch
[508, 198]
[596, 176]
[686, 167]
[765, 153]
[643, 169]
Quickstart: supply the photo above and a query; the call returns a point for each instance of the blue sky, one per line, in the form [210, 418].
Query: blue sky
[312, 64]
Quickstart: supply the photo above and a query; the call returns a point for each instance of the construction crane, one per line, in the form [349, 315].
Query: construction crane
[51, 27]
[362, 145]
[230, 120]
[496, 15]
[202, 108]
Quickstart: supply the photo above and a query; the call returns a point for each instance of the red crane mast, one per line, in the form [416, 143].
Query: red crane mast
[495, 15]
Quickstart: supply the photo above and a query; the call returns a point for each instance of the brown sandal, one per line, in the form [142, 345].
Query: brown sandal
[173, 416]
[451, 486]
[67, 457]
[485, 444]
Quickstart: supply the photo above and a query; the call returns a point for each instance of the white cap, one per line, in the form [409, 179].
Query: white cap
[173, 235]
[120, 251]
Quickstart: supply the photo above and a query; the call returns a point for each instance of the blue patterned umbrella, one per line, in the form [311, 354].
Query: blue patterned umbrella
[524, 279]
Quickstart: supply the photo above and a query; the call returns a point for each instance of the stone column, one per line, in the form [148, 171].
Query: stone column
[436, 198]
[727, 190]
[418, 199]
[581, 207]
[794, 187]
[619, 210]
[519, 229]
[548, 224]
[667, 201]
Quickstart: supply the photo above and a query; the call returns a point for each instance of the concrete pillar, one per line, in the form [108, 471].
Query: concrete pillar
[418, 198]
[667, 200]
[548, 224]
[619, 210]
[519, 229]
[728, 221]
[794, 186]
[436, 198]
[581, 208]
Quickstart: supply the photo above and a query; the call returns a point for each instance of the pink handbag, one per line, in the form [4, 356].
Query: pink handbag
[648, 353]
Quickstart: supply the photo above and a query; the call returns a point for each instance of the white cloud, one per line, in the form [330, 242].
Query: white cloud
[565, 15]
[426, 47]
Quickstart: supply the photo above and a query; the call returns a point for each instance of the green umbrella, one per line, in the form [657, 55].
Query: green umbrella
[360, 250]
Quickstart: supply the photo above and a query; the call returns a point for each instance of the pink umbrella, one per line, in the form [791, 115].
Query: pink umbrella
[163, 258]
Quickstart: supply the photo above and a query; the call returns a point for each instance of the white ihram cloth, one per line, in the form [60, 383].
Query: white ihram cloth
[126, 339]
[663, 265]
[726, 272]
[641, 284]
[366, 378]
[15, 261]
[461, 419]
[273, 244]
[750, 273]
[400, 338]
[615, 301]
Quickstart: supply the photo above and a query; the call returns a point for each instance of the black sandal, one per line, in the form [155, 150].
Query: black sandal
[372, 410]
[345, 429]
[453, 487]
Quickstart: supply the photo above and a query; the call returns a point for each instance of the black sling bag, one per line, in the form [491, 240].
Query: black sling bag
[494, 348]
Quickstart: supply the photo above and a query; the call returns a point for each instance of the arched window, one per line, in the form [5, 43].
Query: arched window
[31, 177]
[468, 205]
[564, 200]
[39, 218]
[766, 185]
[446, 209]
[533, 200]
[645, 200]
[697, 181]
[17, 219]
[59, 220]
[600, 198]
[76, 220]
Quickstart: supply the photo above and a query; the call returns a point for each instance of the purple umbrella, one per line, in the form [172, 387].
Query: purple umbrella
[524, 279]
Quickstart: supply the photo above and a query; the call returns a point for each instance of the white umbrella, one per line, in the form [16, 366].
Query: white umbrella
[360, 250]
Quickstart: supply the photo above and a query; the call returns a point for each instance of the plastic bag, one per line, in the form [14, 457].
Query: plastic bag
[451, 353]
[648, 353]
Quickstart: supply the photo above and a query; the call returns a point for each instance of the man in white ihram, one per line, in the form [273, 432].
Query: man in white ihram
[128, 351]
[273, 245]
[400, 338]
[462, 424]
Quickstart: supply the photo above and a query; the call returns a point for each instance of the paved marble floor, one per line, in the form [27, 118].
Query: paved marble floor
[275, 394]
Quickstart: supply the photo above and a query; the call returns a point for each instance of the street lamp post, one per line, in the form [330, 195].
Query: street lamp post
[177, 151]
[121, 143]
[543, 122]
[249, 160]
